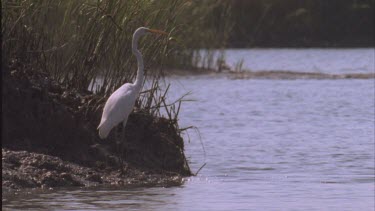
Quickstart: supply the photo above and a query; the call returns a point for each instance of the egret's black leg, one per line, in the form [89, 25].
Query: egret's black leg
[123, 147]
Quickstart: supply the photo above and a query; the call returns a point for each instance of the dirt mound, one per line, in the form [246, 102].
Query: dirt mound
[22, 169]
[42, 117]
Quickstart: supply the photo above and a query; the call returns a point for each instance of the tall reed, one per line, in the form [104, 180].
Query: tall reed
[82, 41]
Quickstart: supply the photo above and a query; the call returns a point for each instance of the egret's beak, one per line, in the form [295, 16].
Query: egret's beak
[158, 31]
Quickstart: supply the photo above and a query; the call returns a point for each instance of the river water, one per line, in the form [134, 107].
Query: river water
[268, 145]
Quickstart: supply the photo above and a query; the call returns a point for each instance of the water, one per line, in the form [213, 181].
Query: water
[270, 145]
[304, 144]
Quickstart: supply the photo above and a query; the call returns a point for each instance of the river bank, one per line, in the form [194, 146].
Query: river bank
[49, 139]
[273, 75]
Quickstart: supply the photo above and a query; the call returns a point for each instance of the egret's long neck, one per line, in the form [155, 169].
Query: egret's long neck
[140, 74]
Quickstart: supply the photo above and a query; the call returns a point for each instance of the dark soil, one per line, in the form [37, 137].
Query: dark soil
[22, 169]
[49, 139]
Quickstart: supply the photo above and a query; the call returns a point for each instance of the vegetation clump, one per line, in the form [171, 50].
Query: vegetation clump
[42, 118]
[54, 54]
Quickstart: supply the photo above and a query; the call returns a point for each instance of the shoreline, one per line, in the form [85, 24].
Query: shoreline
[270, 75]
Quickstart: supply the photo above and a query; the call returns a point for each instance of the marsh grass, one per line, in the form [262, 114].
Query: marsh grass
[78, 42]
[81, 42]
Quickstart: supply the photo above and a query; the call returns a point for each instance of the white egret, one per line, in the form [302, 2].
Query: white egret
[121, 102]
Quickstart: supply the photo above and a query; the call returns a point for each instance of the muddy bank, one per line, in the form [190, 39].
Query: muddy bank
[49, 138]
[289, 75]
[22, 169]
[274, 75]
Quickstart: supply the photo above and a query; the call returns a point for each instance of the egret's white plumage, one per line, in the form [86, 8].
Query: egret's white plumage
[121, 102]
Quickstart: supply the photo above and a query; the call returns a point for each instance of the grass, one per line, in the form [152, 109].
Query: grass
[78, 42]
[82, 42]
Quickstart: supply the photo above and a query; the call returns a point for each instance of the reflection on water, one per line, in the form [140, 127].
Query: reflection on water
[270, 145]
